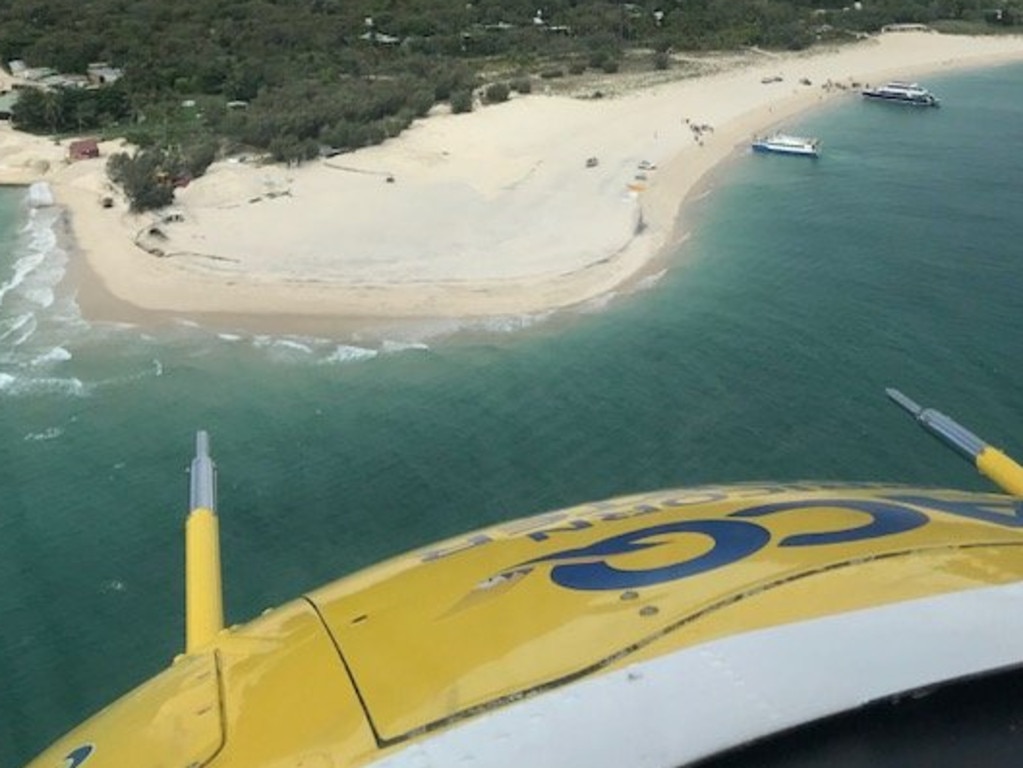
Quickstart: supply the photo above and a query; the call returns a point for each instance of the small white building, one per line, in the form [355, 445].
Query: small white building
[101, 73]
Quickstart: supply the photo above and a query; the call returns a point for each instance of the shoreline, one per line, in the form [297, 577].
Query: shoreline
[491, 214]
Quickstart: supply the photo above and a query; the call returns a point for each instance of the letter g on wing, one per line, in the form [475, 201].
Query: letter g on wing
[732, 540]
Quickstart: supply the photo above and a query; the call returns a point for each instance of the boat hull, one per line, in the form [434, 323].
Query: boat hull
[928, 101]
[782, 150]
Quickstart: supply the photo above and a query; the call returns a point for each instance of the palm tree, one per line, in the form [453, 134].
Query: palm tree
[53, 110]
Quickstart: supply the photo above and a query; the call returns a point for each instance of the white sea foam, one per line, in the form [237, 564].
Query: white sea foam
[27, 385]
[229, 337]
[510, 323]
[390, 347]
[51, 270]
[47, 434]
[291, 344]
[597, 303]
[600, 303]
[11, 325]
[65, 312]
[42, 236]
[22, 268]
[69, 386]
[20, 332]
[42, 296]
[28, 306]
[347, 354]
[55, 355]
[650, 280]
[40, 195]
[430, 329]
[284, 348]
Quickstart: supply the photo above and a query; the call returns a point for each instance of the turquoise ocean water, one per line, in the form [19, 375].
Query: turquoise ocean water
[761, 353]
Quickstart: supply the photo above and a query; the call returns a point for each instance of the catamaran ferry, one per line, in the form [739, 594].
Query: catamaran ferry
[904, 93]
[785, 144]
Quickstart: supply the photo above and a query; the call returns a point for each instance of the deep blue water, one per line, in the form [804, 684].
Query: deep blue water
[762, 353]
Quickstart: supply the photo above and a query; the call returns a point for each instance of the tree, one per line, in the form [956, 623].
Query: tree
[146, 181]
[306, 73]
[53, 110]
[29, 111]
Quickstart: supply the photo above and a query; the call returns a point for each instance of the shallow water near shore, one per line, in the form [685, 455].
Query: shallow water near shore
[805, 288]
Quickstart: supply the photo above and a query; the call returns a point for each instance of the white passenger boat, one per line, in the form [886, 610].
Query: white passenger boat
[785, 144]
[903, 93]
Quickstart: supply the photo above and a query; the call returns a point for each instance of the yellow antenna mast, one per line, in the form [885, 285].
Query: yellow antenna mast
[204, 599]
[990, 462]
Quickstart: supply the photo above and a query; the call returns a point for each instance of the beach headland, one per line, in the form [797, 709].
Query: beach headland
[541, 203]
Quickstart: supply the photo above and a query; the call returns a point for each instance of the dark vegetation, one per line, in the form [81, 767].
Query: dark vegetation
[292, 79]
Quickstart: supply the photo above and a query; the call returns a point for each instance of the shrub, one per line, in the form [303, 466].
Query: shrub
[199, 157]
[461, 101]
[522, 85]
[374, 134]
[143, 177]
[497, 92]
[286, 149]
[420, 102]
[395, 124]
[140, 138]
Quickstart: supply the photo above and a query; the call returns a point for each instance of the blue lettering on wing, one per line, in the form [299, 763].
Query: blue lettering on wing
[887, 519]
[1008, 512]
[732, 541]
[737, 536]
[78, 756]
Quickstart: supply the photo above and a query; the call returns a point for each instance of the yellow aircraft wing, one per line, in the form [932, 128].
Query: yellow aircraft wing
[508, 612]
[691, 620]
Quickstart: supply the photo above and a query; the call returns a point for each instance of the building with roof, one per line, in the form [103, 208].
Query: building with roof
[101, 73]
[83, 149]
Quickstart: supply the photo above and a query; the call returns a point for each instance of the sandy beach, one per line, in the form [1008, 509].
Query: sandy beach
[492, 213]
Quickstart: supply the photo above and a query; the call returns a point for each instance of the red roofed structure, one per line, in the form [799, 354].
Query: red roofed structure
[83, 149]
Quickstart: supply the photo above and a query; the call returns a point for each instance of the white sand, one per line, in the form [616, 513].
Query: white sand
[489, 213]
